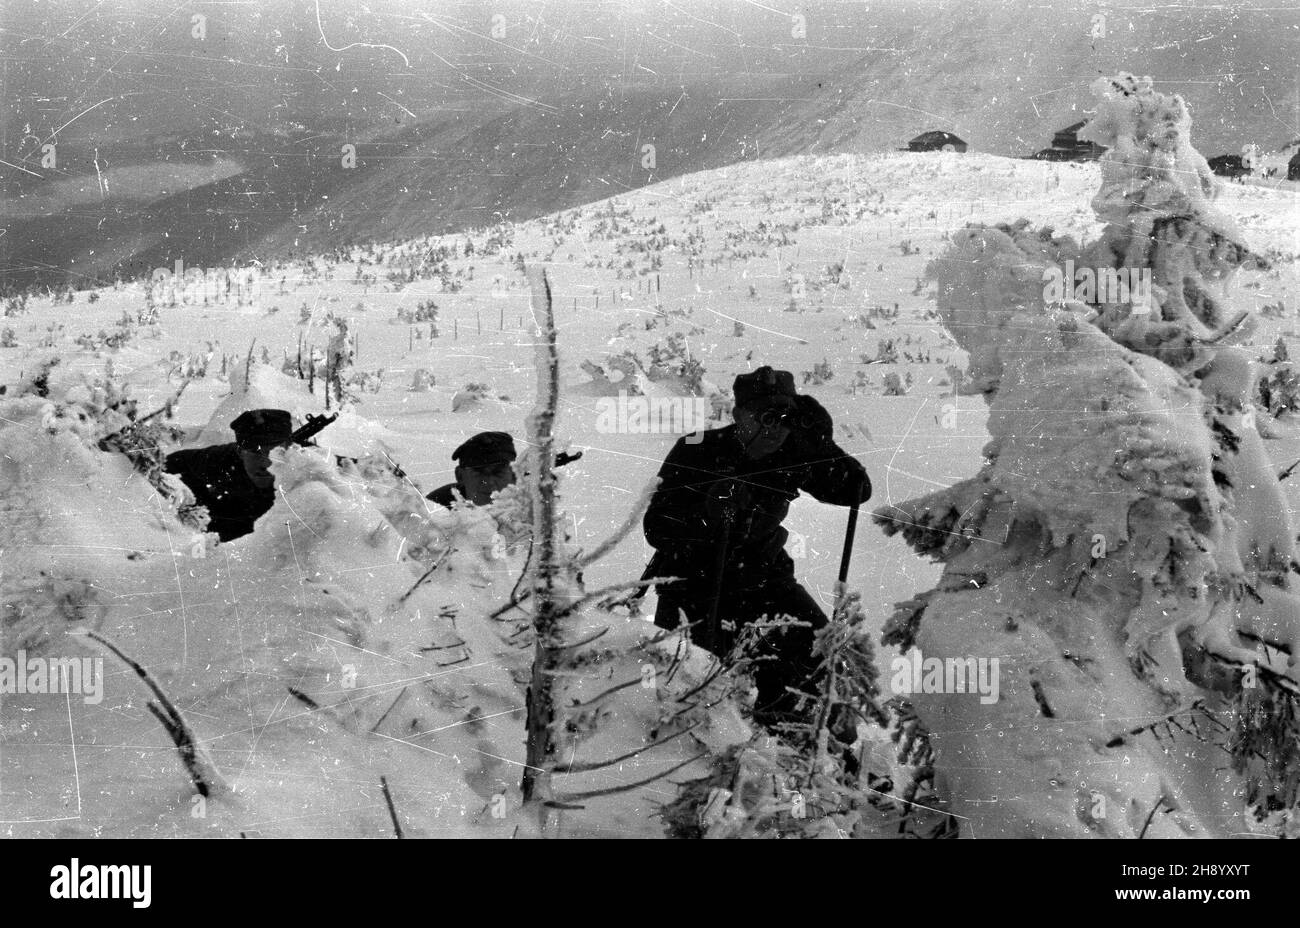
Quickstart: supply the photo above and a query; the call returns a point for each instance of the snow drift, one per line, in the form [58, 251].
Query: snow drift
[346, 645]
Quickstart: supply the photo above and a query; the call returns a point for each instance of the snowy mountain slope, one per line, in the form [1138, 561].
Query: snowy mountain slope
[500, 127]
[777, 227]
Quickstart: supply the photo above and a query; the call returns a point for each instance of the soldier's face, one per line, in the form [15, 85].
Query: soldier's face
[479, 483]
[257, 463]
[759, 440]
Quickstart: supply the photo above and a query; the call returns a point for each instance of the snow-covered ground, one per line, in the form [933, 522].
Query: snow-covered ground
[797, 263]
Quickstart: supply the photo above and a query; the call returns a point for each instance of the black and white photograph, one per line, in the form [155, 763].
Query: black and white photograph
[649, 419]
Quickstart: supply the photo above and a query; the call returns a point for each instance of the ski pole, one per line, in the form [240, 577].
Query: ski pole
[719, 566]
[848, 534]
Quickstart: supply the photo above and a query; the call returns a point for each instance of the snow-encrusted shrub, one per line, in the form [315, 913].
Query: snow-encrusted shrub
[365, 382]
[820, 373]
[893, 385]
[340, 356]
[626, 365]
[426, 311]
[1125, 551]
[812, 781]
[1279, 390]
[422, 380]
[118, 338]
[667, 362]
[470, 396]
[671, 359]
[191, 365]
[34, 615]
[53, 459]
[836, 276]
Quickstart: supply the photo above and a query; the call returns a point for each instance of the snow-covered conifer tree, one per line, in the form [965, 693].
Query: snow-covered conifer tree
[1125, 554]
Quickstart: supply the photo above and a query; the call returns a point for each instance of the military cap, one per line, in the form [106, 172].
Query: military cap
[765, 387]
[485, 449]
[262, 428]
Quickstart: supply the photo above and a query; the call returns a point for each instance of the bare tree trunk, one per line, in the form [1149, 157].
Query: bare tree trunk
[551, 594]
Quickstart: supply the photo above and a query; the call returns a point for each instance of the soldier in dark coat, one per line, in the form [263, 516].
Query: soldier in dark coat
[715, 520]
[232, 480]
[483, 466]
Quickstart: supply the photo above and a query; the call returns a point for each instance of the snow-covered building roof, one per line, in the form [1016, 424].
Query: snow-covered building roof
[936, 140]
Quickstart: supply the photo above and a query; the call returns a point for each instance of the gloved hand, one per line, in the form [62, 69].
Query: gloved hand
[813, 427]
[820, 425]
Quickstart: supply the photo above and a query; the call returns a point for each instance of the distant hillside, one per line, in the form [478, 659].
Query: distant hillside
[566, 115]
[1004, 75]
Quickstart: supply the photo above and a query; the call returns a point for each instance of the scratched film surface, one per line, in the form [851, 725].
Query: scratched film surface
[710, 418]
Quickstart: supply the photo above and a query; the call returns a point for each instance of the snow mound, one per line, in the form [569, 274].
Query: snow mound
[349, 640]
[264, 387]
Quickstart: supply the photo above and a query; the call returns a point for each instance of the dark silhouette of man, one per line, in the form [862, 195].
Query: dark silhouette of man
[715, 520]
[483, 466]
[233, 480]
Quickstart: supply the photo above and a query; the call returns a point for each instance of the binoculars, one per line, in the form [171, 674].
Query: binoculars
[790, 418]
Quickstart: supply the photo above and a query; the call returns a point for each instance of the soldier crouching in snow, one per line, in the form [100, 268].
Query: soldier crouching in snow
[715, 521]
[483, 466]
[233, 480]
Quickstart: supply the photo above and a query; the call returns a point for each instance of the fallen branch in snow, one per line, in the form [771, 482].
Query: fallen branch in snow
[387, 712]
[593, 765]
[1150, 815]
[304, 698]
[248, 365]
[203, 773]
[623, 788]
[425, 576]
[588, 640]
[605, 694]
[515, 596]
[1167, 719]
[392, 810]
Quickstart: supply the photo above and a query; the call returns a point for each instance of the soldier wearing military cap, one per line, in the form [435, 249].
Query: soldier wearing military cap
[233, 480]
[715, 521]
[483, 466]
